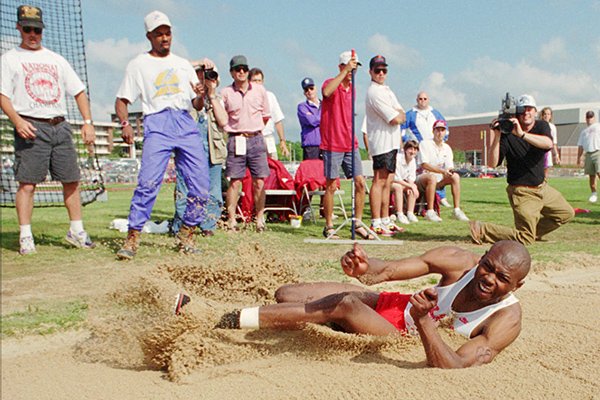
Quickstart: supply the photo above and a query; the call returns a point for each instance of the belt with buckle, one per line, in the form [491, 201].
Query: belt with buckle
[246, 134]
[51, 121]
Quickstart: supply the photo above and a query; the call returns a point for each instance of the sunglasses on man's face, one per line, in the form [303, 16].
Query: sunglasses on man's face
[28, 29]
[308, 89]
[242, 68]
[380, 70]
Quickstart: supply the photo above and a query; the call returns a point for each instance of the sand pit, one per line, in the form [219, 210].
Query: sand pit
[134, 347]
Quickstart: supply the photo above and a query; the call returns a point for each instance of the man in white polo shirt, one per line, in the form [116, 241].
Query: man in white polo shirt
[437, 161]
[384, 115]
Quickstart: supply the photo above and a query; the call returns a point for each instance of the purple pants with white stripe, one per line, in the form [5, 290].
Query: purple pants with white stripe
[164, 132]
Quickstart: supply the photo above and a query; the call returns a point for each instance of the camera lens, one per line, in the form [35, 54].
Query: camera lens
[506, 126]
[211, 74]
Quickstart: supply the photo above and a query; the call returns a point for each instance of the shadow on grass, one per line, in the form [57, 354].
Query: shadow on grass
[591, 218]
[488, 202]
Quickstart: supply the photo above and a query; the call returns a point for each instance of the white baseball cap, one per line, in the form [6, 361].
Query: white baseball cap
[346, 56]
[526, 100]
[156, 19]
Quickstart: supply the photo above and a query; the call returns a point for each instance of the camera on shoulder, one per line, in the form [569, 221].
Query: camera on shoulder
[509, 110]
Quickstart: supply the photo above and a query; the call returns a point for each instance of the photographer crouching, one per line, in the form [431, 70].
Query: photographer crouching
[537, 207]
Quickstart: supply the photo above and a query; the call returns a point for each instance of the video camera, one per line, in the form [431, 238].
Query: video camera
[510, 109]
[209, 74]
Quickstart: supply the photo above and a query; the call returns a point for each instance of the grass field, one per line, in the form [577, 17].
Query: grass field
[63, 304]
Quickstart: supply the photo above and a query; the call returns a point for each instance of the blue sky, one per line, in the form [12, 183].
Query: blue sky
[465, 54]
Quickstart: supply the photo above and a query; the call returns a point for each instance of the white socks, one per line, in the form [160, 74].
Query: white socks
[25, 231]
[77, 227]
[249, 318]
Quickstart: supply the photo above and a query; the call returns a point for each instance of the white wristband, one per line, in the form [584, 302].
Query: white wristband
[249, 318]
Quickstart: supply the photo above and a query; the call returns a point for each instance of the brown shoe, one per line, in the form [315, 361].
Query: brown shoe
[185, 240]
[475, 227]
[129, 249]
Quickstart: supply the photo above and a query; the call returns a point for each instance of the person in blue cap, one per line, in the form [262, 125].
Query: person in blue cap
[309, 116]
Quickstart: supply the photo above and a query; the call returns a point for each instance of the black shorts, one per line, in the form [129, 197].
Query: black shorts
[52, 150]
[385, 161]
[312, 153]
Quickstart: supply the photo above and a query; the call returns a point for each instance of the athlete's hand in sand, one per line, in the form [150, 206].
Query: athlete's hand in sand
[355, 262]
[422, 302]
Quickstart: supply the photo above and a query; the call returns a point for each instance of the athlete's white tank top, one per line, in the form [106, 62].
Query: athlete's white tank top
[462, 322]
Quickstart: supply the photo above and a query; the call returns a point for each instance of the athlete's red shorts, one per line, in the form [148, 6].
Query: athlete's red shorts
[391, 305]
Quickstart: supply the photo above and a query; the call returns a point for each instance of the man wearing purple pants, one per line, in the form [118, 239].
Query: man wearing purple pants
[168, 88]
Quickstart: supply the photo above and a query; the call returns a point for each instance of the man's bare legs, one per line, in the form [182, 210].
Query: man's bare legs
[354, 311]
[72, 200]
[24, 202]
[307, 292]
[232, 201]
[258, 185]
[330, 188]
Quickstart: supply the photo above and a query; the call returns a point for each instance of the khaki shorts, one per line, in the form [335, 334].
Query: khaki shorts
[592, 163]
[52, 150]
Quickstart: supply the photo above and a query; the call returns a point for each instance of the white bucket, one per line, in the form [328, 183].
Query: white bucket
[296, 221]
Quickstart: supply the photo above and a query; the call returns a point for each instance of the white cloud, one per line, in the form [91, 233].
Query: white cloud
[443, 97]
[114, 53]
[396, 54]
[304, 61]
[143, 7]
[486, 80]
[554, 50]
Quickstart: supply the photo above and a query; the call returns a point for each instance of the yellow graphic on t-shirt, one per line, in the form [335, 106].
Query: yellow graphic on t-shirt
[167, 83]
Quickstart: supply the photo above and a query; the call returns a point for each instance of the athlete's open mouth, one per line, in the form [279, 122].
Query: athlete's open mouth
[484, 288]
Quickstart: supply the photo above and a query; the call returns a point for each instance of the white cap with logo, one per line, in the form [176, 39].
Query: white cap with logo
[156, 19]
[526, 100]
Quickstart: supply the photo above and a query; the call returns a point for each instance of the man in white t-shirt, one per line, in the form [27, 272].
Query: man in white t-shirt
[34, 83]
[589, 143]
[404, 182]
[275, 123]
[437, 161]
[384, 115]
[168, 88]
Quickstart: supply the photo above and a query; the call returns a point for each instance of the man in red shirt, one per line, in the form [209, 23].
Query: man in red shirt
[336, 141]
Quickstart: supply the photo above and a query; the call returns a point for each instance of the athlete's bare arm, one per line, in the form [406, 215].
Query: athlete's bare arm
[448, 261]
[497, 332]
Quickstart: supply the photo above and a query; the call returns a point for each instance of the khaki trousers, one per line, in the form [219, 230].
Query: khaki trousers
[537, 211]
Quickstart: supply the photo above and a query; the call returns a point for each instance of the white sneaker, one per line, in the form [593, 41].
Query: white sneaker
[412, 218]
[26, 246]
[431, 215]
[402, 219]
[81, 240]
[445, 203]
[593, 198]
[460, 215]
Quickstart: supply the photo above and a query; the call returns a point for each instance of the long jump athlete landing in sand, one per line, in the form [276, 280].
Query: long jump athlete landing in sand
[476, 292]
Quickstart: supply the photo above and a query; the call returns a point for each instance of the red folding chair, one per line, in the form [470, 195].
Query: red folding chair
[310, 181]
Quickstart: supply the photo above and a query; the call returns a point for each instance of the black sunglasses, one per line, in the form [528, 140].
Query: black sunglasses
[28, 29]
[380, 70]
[243, 68]
[309, 88]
